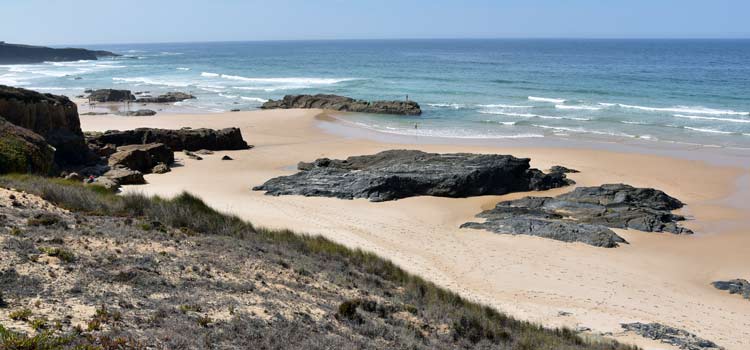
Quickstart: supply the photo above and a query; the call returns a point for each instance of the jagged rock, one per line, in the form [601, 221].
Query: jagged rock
[25, 54]
[737, 286]
[142, 157]
[344, 104]
[125, 176]
[398, 174]
[138, 113]
[226, 158]
[111, 95]
[23, 151]
[204, 152]
[53, 117]
[169, 97]
[192, 155]
[177, 140]
[562, 169]
[105, 182]
[670, 335]
[161, 168]
[586, 214]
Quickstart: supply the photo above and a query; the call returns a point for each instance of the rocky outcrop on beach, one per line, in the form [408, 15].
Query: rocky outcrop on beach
[344, 104]
[25, 54]
[177, 140]
[396, 174]
[23, 151]
[53, 117]
[138, 113]
[111, 95]
[169, 97]
[737, 286]
[670, 335]
[142, 157]
[586, 214]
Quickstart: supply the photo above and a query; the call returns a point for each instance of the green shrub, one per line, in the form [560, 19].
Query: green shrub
[20, 315]
[60, 253]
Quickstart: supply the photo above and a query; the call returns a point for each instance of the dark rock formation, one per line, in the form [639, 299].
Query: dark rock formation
[24, 54]
[562, 169]
[111, 95]
[169, 97]
[670, 335]
[53, 117]
[738, 286]
[344, 104]
[177, 140]
[23, 151]
[161, 168]
[138, 113]
[226, 158]
[398, 174]
[585, 215]
[142, 157]
[125, 176]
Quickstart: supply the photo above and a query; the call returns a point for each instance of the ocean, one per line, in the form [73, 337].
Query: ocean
[693, 92]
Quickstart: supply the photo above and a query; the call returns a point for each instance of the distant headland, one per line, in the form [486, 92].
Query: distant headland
[22, 54]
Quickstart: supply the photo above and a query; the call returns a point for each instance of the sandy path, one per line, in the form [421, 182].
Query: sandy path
[658, 277]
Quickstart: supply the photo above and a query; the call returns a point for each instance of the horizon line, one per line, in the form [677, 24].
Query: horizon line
[397, 39]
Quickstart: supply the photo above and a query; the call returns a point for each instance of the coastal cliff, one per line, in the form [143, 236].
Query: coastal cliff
[344, 104]
[51, 116]
[23, 54]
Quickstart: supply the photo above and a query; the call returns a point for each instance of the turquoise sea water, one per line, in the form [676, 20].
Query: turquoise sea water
[675, 91]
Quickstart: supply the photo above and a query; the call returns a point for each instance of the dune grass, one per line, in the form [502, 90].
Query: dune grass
[471, 323]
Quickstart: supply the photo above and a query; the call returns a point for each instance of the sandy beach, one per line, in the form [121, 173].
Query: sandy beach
[656, 278]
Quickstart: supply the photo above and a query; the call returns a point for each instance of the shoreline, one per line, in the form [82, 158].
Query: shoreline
[658, 277]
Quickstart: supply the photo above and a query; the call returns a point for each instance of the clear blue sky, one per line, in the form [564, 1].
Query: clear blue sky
[140, 21]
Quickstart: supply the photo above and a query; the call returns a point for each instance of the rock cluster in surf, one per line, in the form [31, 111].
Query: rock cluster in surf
[737, 286]
[670, 335]
[344, 104]
[396, 174]
[112, 95]
[586, 215]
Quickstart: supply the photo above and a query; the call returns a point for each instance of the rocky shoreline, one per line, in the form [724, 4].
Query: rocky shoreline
[672, 336]
[397, 174]
[586, 215]
[344, 104]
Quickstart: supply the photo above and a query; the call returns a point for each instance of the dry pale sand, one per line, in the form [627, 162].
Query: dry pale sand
[657, 278]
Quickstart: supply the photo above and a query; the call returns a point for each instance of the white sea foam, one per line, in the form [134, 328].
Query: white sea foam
[182, 68]
[730, 120]
[585, 131]
[546, 99]
[503, 106]
[229, 96]
[150, 81]
[710, 131]
[296, 80]
[447, 105]
[254, 99]
[499, 122]
[530, 115]
[581, 108]
[633, 123]
[686, 109]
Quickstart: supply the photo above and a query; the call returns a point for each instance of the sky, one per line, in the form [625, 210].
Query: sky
[59, 22]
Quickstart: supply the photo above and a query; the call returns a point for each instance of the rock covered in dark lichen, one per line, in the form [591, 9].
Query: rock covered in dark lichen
[586, 214]
[737, 286]
[344, 104]
[399, 174]
[670, 335]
